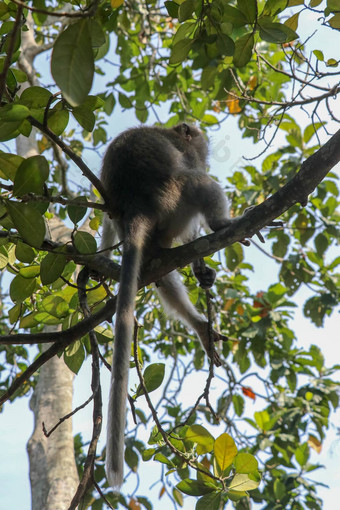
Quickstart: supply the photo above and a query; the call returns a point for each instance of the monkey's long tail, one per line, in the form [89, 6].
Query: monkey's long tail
[132, 256]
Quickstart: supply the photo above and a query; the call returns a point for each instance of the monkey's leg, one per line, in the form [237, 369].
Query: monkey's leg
[109, 235]
[177, 304]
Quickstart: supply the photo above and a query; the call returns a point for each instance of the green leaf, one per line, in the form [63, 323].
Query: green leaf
[21, 288]
[224, 450]
[234, 256]
[186, 9]
[153, 376]
[77, 212]
[184, 31]
[172, 8]
[72, 63]
[148, 454]
[58, 120]
[159, 457]
[245, 463]
[275, 32]
[52, 267]
[28, 221]
[85, 243]
[310, 130]
[31, 176]
[131, 458]
[293, 21]
[24, 253]
[243, 482]
[273, 7]
[55, 305]
[210, 502]
[335, 21]
[13, 113]
[319, 55]
[35, 97]
[331, 62]
[262, 419]
[333, 5]
[195, 487]
[321, 244]
[243, 50]
[234, 16]
[74, 356]
[9, 164]
[180, 51]
[302, 454]
[201, 436]
[3, 257]
[249, 9]
[85, 117]
[238, 403]
[9, 130]
[30, 271]
[226, 45]
[97, 34]
[14, 313]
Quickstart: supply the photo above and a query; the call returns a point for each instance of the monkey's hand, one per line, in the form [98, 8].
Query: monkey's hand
[205, 275]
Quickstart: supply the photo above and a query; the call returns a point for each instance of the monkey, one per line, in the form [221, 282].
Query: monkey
[159, 190]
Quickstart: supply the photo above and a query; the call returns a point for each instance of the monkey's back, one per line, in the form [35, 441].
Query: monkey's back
[145, 168]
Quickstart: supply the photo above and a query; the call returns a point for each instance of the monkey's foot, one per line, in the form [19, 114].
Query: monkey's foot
[275, 224]
[205, 275]
[216, 337]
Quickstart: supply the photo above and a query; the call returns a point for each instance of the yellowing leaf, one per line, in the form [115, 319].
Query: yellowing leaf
[233, 105]
[224, 450]
[94, 223]
[240, 309]
[116, 3]
[227, 304]
[252, 82]
[314, 443]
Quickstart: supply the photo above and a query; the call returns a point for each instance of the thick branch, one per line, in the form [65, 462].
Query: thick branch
[312, 172]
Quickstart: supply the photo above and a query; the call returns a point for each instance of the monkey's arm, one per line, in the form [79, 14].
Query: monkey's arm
[177, 304]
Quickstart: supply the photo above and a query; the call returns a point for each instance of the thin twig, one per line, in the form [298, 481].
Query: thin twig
[87, 477]
[47, 433]
[86, 13]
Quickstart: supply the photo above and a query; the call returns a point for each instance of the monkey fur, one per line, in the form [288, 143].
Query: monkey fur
[159, 191]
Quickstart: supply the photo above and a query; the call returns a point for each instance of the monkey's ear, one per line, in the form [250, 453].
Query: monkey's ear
[186, 131]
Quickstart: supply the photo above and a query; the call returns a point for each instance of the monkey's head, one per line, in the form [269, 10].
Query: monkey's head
[195, 138]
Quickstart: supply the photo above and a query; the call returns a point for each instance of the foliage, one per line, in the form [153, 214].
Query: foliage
[200, 60]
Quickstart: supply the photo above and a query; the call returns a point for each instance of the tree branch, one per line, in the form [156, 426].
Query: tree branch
[312, 171]
[10, 51]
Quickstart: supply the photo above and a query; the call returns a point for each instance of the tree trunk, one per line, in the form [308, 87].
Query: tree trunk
[53, 472]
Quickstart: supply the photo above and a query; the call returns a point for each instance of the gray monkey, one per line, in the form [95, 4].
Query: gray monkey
[159, 191]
